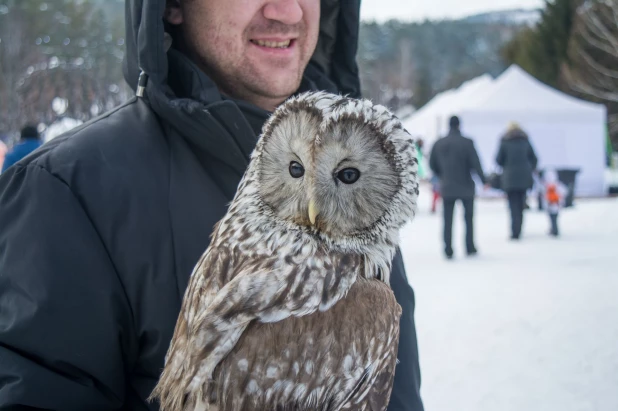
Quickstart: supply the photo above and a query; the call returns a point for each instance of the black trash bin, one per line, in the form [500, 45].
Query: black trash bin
[567, 177]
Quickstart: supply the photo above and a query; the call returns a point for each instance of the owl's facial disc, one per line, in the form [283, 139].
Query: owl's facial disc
[352, 179]
[285, 167]
[339, 184]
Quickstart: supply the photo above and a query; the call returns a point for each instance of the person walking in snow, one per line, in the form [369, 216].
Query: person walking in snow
[420, 155]
[518, 161]
[453, 159]
[554, 193]
[435, 193]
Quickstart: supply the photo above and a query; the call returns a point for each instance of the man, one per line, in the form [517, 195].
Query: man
[452, 159]
[28, 142]
[102, 228]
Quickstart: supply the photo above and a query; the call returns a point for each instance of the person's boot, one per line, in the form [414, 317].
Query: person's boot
[516, 233]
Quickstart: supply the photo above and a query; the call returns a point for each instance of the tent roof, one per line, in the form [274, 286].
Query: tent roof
[516, 90]
[445, 104]
[449, 99]
[468, 93]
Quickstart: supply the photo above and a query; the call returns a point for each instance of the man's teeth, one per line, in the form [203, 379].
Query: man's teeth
[273, 44]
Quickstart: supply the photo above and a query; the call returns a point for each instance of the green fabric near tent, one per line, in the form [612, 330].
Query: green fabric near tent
[609, 149]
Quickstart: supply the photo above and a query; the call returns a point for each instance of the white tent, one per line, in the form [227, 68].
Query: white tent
[431, 121]
[566, 132]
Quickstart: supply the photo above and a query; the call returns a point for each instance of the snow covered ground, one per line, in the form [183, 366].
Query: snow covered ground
[528, 326]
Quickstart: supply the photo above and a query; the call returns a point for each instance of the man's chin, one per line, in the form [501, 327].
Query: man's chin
[278, 90]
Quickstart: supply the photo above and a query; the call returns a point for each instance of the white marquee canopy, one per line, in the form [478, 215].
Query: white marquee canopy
[566, 132]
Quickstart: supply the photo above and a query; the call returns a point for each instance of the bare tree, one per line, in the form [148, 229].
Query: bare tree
[64, 49]
[592, 69]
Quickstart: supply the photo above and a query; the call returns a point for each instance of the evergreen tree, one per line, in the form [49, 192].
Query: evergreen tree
[543, 50]
[421, 59]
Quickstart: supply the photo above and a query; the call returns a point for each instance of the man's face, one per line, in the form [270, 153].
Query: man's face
[255, 50]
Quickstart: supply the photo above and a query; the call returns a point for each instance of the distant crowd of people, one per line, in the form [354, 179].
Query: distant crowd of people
[29, 141]
[454, 160]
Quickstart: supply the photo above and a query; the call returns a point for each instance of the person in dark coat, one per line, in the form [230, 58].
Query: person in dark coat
[518, 161]
[453, 159]
[102, 227]
[29, 141]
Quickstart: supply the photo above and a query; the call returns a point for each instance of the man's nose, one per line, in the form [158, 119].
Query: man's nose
[285, 11]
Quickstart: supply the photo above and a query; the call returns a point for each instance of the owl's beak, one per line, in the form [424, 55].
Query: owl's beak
[313, 211]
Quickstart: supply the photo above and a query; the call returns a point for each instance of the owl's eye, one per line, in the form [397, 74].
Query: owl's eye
[348, 175]
[296, 169]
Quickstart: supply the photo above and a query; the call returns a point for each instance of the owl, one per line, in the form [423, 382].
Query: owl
[290, 307]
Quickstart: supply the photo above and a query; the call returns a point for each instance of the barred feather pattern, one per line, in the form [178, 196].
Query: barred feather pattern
[282, 314]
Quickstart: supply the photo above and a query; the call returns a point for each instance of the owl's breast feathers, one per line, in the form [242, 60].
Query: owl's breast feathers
[301, 329]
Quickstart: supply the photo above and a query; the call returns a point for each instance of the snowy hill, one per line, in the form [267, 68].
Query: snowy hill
[517, 17]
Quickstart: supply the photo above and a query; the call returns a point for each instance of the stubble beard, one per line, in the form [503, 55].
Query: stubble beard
[239, 80]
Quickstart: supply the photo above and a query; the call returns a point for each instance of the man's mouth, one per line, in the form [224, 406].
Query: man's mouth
[273, 44]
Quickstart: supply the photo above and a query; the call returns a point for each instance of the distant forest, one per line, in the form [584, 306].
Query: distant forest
[409, 63]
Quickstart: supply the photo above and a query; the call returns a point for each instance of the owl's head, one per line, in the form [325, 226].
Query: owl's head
[340, 167]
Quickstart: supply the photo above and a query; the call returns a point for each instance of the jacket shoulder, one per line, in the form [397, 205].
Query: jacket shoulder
[125, 137]
[468, 141]
[122, 155]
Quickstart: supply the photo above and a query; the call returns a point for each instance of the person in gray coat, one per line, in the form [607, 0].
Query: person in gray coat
[518, 161]
[453, 159]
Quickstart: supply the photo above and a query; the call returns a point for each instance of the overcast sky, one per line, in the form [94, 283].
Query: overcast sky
[416, 10]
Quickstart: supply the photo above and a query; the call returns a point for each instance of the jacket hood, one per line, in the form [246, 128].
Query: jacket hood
[333, 66]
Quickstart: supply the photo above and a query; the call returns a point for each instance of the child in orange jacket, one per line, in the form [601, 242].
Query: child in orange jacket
[554, 193]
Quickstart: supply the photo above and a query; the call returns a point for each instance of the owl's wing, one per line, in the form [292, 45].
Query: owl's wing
[208, 277]
[258, 292]
[372, 390]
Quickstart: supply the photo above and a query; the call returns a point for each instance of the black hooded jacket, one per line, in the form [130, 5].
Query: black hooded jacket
[453, 159]
[100, 229]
